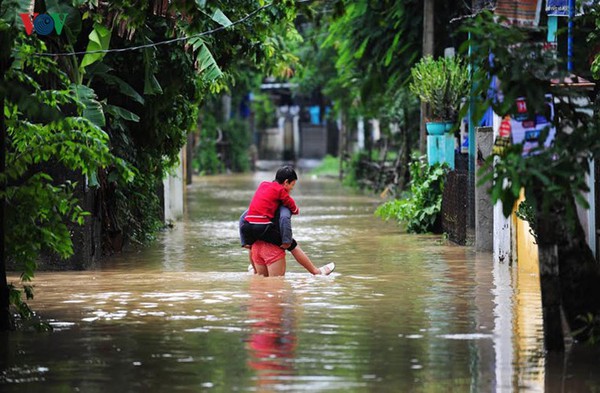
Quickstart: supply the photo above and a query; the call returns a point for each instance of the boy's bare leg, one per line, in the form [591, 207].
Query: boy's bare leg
[304, 260]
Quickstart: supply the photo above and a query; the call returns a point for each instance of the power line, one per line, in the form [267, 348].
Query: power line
[155, 44]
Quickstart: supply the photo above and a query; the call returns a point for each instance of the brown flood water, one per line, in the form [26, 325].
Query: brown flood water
[401, 313]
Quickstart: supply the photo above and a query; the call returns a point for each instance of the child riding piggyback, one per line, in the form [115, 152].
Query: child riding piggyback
[269, 196]
[268, 219]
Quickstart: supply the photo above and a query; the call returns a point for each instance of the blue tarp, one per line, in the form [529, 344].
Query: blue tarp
[488, 117]
[315, 115]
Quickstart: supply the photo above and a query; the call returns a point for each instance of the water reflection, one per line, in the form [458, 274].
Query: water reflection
[402, 313]
[272, 338]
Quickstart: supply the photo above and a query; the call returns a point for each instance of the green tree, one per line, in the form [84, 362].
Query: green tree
[154, 101]
[553, 177]
[45, 124]
[359, 54]
[7, 36]
[118, 118]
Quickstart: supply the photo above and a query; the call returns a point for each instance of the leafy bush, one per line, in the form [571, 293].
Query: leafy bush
[421, 207]
[48, 126]
[441, 83]
[223, 146]
[330, 166]
[265, 113]
[352, 170]
[237, 134]
[207, 161]
[526, 212]
[147, 126]
[590, 330]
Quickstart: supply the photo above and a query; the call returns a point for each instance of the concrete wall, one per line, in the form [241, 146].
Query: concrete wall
[484, 211]
[271, 144]
[587, 217]
[173, 188]
[282, 142]
[86, 238]
[512, 240]
[313, 141]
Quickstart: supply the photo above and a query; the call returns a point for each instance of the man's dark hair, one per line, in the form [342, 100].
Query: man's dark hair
[286, 173]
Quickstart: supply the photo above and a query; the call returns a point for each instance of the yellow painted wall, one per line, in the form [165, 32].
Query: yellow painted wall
[526, 249]
[527, 306]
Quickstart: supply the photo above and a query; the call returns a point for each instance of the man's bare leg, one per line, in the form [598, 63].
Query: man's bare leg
[250, 258]
[277, 268]
[262, 270]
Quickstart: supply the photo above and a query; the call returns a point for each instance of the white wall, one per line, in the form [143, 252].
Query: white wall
[502, 225]
[173, 191]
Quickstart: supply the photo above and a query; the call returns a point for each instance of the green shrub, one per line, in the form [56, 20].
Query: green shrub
[237, 133]
[589, 333]
[353, 172]
[234, 137]
[206, 160]
[265, 113]
[526, 212]
[420, 208]
[330, 166]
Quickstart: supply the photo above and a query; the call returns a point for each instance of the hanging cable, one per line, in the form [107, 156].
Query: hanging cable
[155, 44]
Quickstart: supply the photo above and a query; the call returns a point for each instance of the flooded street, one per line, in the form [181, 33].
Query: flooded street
[401, 313]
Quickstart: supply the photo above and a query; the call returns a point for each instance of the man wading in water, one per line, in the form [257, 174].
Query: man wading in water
[268, 219]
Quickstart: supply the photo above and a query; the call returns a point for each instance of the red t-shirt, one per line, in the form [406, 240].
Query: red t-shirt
[266, 200]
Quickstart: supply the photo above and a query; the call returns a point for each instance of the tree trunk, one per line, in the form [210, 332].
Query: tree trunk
[405, 158]
[5, 322]
[428, 41]
[579, 272]
[342, 145]
[551, 297]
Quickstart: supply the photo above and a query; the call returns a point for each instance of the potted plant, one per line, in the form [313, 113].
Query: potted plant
[441, 83]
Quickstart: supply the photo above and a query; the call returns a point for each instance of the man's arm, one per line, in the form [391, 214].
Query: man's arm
[288, 201]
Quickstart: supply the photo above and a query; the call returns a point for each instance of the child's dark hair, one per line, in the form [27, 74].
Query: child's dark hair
[286, 173]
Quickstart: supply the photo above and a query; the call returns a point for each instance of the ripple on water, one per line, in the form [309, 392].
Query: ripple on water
[61, 325]
[23, 374]
[401, 312]
[467, 336]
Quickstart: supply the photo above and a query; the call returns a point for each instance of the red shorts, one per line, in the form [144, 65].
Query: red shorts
[264, 253]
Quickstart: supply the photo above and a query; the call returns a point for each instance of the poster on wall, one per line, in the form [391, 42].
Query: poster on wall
[520, 12]
[526, 128]
[503, 139]
[557, 7]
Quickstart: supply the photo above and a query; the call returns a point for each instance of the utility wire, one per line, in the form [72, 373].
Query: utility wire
[155, 44]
